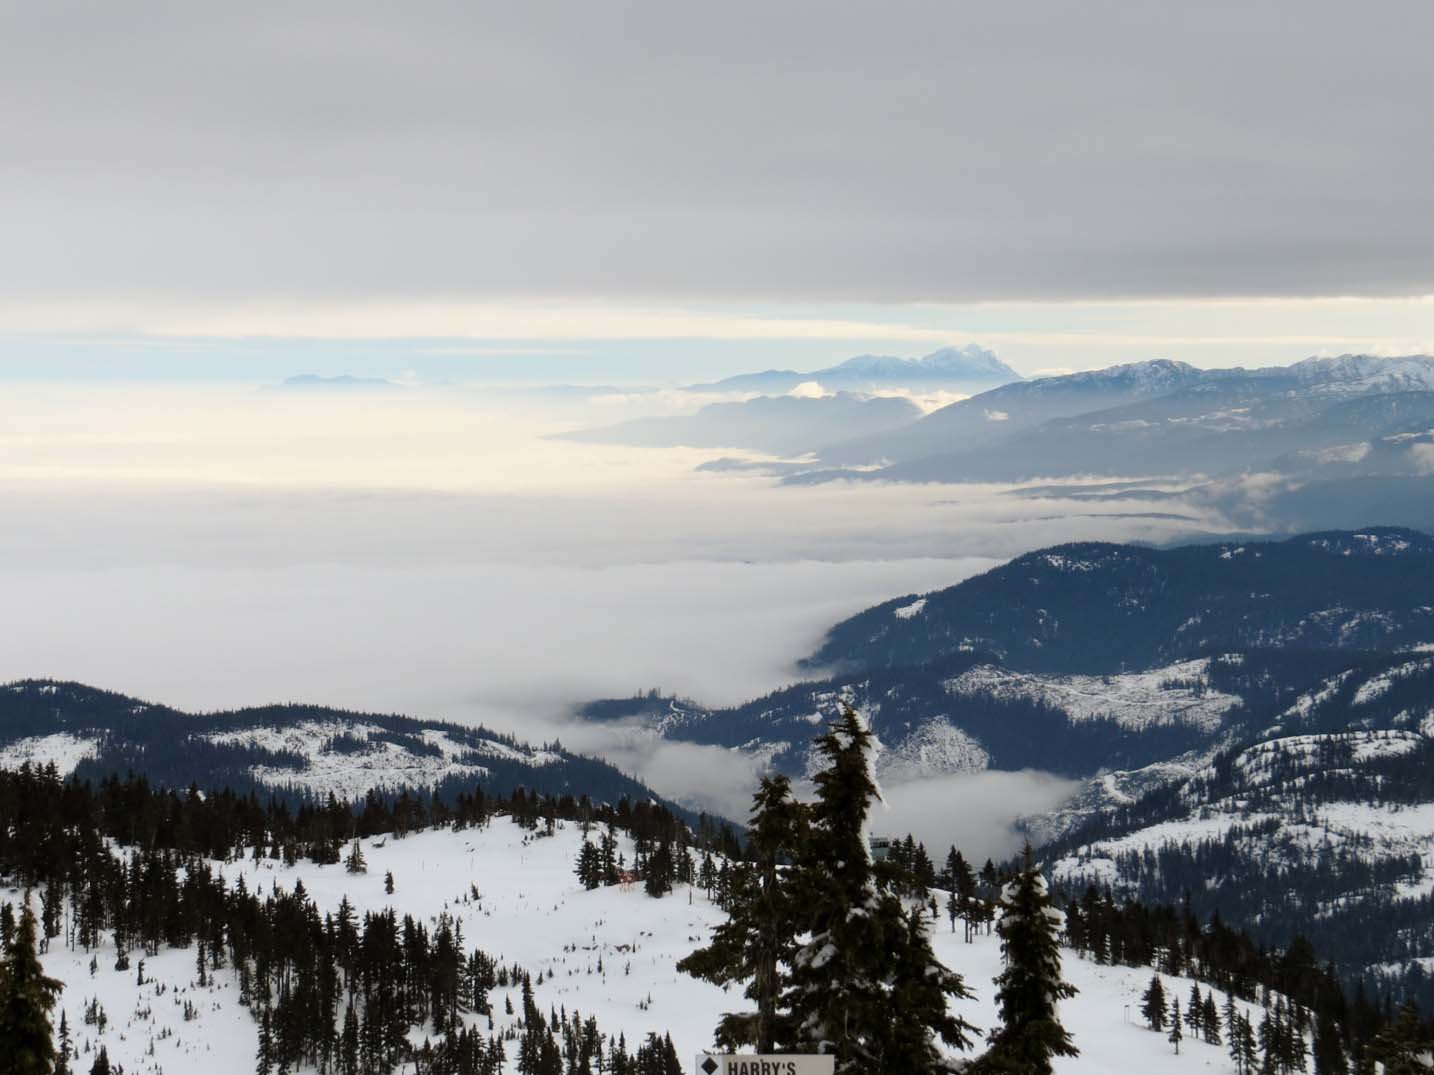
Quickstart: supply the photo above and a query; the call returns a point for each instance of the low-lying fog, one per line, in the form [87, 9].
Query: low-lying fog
[430, 553]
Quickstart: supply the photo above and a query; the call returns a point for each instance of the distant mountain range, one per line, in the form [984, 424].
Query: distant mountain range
[1080, 657]
[777, 425]
[962, 369]
[1162, 418]
[1228, 706]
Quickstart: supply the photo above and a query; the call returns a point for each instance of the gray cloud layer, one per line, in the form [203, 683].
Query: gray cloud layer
[902, 151]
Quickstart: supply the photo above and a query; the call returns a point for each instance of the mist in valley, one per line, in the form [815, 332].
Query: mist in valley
[437, 554]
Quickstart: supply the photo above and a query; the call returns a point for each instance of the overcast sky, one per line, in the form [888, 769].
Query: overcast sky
[670, 170]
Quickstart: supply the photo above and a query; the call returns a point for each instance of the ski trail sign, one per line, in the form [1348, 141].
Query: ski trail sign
[739, 1064]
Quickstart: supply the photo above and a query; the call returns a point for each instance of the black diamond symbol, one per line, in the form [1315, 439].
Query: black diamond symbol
[709, 1065]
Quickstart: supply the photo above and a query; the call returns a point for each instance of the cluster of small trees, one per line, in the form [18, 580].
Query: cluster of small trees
[658, 864]
[1277, 1047]
[1302, 997]
[971, 898]
[1289, 1035]
[834, 951]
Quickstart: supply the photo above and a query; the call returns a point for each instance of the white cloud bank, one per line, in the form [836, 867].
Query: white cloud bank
[212, 550]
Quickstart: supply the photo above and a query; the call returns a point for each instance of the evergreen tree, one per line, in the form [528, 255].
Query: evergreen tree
[588, 869]
[1152, 1004]
[607, 856]
[356, 863]
[101, 1066]
[1329, 1057]
[963, 890]
[349, 1043]
[1269, 1036]
[1247, 1046]
[1294, 1056]
[264, 1060]
[1030, 988]
[1211, 1020]
[26, 998]
[844, 975]
[920, 991]
[1176, 1035]
[758, 940]
[657, 879]
[1400, 1045]
[65, 1047]
[1195, 1012]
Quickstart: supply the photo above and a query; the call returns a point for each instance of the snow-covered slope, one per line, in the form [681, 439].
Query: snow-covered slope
[531, 910]
[1175, 694]
[1329, 831]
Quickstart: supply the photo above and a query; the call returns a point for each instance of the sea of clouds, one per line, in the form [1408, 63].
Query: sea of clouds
[216, 547]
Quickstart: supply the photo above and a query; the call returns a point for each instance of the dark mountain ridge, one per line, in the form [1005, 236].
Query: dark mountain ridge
[1102, 608]
[302, 749]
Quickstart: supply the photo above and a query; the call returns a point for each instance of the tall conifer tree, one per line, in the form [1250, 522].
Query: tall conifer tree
[1030, 988]
[26, 998]
[1152, 1004]
[861, 948]
[758, 940]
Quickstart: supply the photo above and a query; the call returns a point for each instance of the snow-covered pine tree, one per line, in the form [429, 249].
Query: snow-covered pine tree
[836, 996]
[861, 945]
[920, 991]
[26, 998]
[589, 869]
[758, 940]
[1030, 988]
[1152, 1004]
[355, 863]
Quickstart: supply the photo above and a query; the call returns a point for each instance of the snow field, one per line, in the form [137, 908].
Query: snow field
[531, 910]
[1135, 700]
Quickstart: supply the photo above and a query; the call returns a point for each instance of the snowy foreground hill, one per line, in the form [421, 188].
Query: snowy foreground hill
[608, 953]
